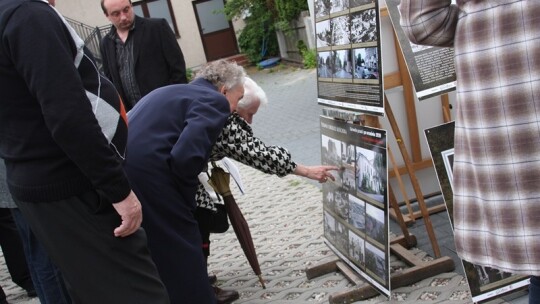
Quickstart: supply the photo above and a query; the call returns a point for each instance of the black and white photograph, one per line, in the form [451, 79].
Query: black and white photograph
[339, 6]
[324, 33]
[329, 193]
[357, 213]
[355, 3]
[366, 63]
[448, 160]
[331, 151]
[342, 203]
[489, 275]
[363, 26]
[375, 220]
[342, 64]
[325, 66]
[370, 167]
[322, 8]
[357, 250]
[341, 30]
[348, 177]
[329, 227]
[342, 238]
[376, 262]
[348, 155]
[440, 139]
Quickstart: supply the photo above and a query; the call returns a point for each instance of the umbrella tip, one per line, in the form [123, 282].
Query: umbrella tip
[262, 281]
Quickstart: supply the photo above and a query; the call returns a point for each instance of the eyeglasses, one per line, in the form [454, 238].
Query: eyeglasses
[117, 14]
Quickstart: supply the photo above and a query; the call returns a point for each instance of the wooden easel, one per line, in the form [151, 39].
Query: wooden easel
[399, 246]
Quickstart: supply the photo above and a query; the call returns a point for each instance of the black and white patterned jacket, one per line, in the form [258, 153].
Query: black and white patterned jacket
[236, 141]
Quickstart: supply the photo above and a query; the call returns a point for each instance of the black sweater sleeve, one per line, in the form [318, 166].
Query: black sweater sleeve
[43, 54]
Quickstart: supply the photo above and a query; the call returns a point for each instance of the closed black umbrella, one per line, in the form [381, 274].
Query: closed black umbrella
[219, 180]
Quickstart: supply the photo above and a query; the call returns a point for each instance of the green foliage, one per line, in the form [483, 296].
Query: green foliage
[189, 74]
[288, 10]
[262, 18]
[258, 39]
[309, 57]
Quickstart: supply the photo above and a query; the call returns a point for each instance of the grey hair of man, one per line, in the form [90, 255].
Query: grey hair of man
[252, 92]
[222, 73]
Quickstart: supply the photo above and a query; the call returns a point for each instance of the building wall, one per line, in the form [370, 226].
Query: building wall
[90, 13]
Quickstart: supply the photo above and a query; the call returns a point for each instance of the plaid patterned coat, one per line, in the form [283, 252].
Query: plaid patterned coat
[497, 136]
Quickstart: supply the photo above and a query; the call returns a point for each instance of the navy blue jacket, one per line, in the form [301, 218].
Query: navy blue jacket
[171, 133]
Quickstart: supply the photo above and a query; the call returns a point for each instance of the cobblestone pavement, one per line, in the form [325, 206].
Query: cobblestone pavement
[285, 216]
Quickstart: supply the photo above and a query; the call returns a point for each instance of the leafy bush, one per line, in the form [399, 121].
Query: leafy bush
[288, 10]
[262, 18]
[258, 40]
[309, 57]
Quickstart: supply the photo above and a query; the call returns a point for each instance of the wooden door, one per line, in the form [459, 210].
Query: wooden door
[217, 33]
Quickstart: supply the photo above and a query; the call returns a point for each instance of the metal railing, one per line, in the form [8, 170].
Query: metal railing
[91, 36]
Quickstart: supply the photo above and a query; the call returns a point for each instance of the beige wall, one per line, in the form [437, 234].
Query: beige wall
[90, 13]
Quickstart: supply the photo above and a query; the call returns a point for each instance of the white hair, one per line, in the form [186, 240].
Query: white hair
[252, 92]
[222, 73]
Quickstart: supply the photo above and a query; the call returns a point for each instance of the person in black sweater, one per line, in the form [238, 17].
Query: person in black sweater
[63, 135]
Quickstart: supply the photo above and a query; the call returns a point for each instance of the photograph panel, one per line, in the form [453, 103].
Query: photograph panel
[322, 8]
[370, 179]
[376, 262]
[342, 204]
[355, 3]
[341, 31]
[325, 66]
[329, 227]
[331, 151]
[357, 250]
[375, 219]
[342, 64]
[366, 63]
[323, 33]
[357, 213]
[339, 6]
[329, 196]
[363, 26]
[342, 238]
[484, 282]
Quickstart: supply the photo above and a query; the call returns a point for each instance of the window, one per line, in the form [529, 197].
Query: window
[156, 9]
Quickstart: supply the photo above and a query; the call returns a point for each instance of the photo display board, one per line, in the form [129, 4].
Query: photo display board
[484, 282]
[355, 204]
[349, 74]
[431, 68]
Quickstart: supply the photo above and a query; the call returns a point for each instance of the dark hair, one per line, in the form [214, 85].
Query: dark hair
[104, 9]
